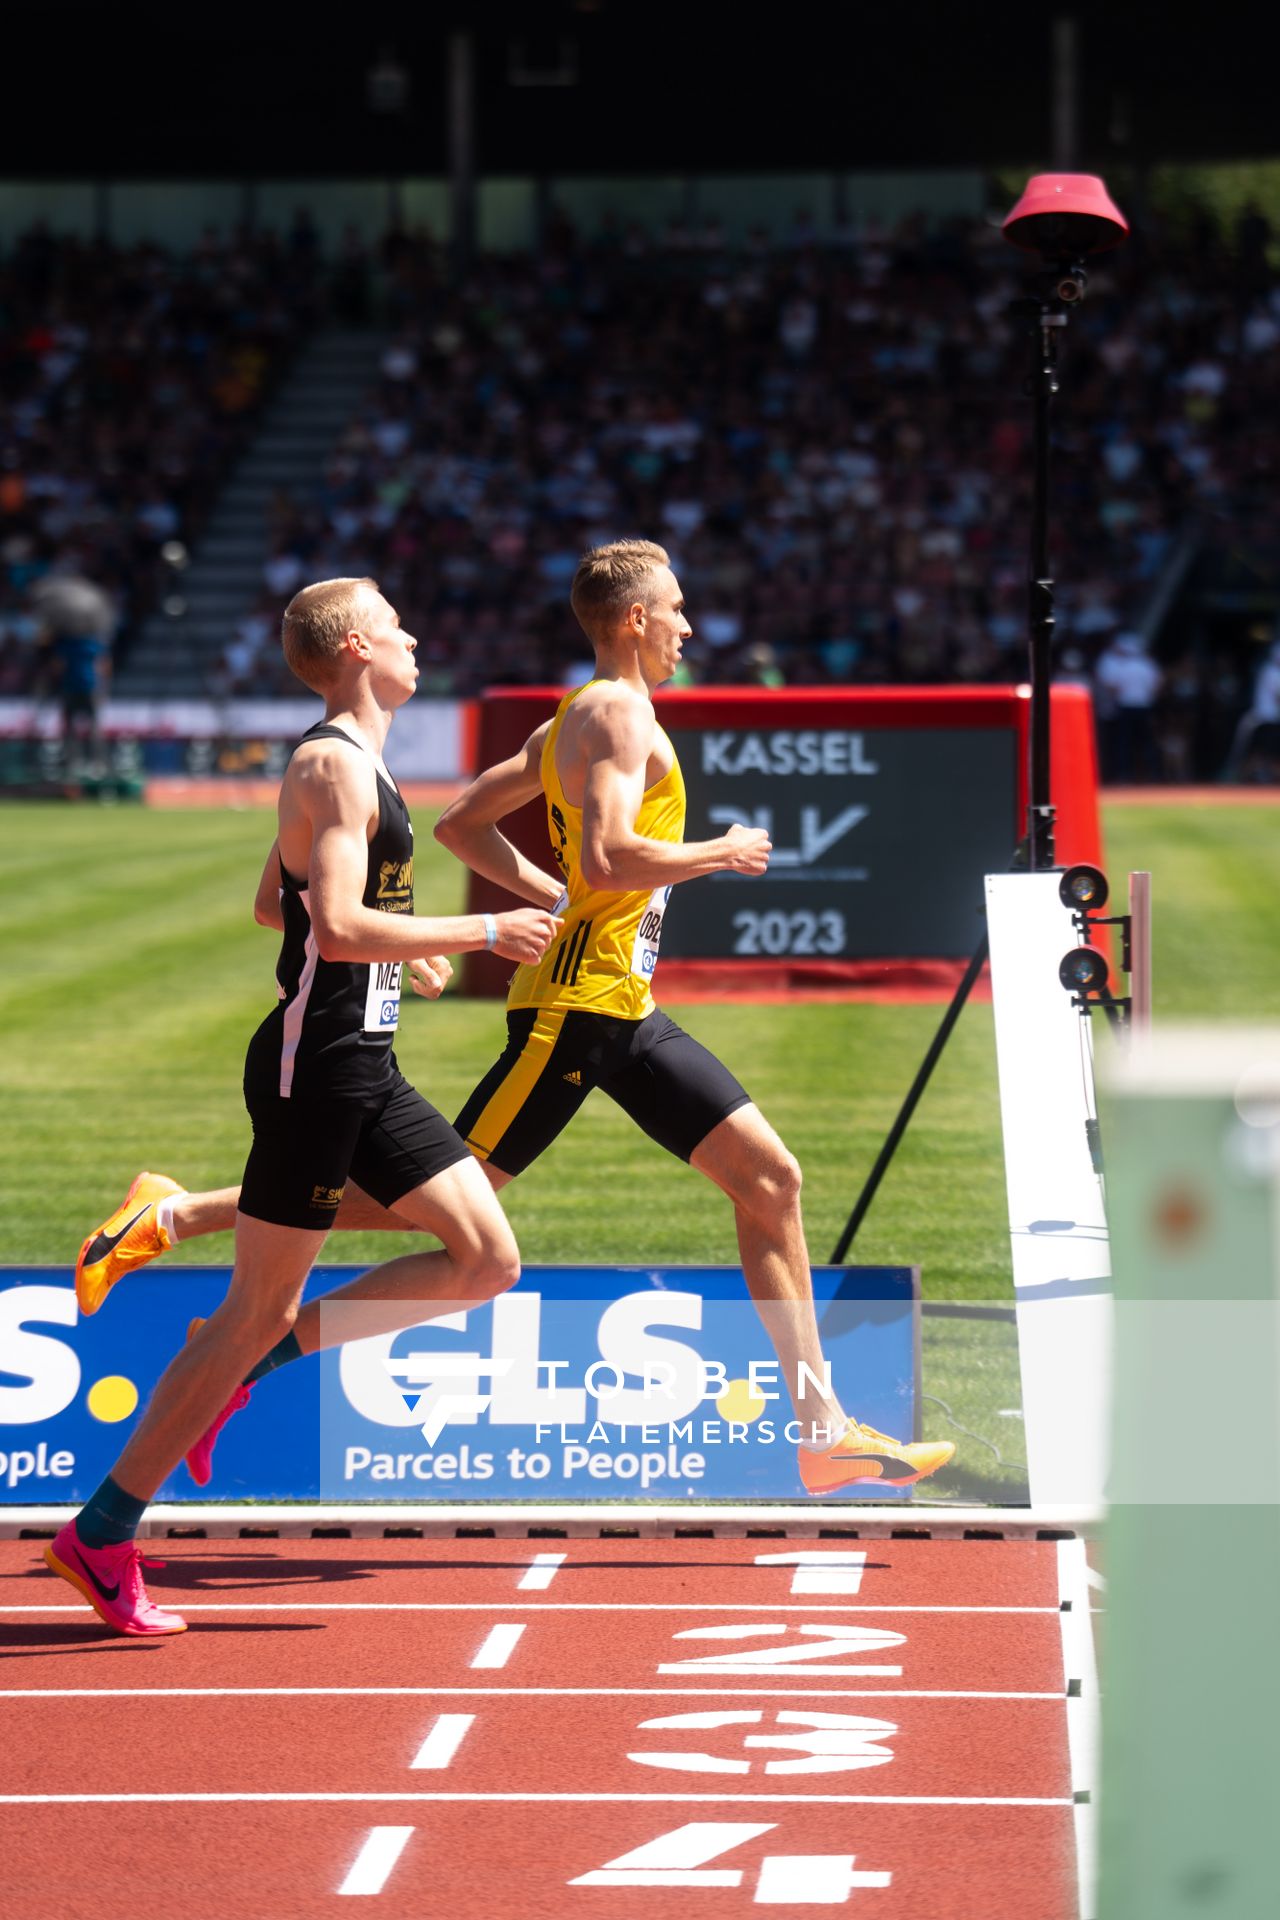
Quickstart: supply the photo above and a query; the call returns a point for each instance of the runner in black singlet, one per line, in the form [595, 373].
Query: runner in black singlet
[321, 1083]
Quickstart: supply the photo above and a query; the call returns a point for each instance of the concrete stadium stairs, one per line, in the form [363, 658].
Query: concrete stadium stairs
[174, 655]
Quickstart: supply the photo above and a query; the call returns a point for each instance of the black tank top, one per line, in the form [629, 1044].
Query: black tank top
[337, 1018]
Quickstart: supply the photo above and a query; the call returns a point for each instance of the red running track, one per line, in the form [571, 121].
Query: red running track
[493, 1729]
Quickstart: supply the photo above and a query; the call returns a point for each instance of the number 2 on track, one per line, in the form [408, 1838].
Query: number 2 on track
[843, 1643]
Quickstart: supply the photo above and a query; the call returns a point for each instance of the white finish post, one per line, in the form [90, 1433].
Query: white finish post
[1140, 951]
[1057, 1222]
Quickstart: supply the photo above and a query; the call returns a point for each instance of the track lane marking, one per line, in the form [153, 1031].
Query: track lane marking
[493, 1693]
[784, 1799]
[541, 1571]
[528, 1606]
[820, 1570]
[371, 1868]
[497, 1646]
[448, 1731]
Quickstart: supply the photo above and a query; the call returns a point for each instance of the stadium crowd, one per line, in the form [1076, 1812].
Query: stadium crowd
[128, 381]
[831, 437]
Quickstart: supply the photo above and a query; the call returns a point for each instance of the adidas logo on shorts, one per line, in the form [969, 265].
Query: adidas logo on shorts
[574, 1078]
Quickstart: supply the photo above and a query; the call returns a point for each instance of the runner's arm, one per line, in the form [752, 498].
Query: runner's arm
[267, 910]
[617, 740]
[338, 795]
[469, 825]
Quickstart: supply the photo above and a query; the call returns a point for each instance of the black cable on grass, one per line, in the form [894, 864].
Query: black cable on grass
[1018, 1466]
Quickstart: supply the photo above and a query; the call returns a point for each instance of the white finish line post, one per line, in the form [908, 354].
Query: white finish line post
[1057, 1223]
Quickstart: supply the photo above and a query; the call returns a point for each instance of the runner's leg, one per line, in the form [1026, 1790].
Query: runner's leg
[477, 1259]
[748, 1162]
[196, 1214]
[272, 1264]
[689, 1102]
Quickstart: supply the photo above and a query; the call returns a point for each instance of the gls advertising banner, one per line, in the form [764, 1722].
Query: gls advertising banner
[582, 1383]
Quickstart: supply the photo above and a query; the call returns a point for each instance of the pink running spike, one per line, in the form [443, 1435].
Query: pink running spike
[110, 1578]
[200, 1458]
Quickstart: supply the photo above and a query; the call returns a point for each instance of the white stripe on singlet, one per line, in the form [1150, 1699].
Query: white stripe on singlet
[296, 1011]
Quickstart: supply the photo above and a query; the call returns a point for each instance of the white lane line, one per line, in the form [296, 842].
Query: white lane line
[577, 1799]
[826, 1571]
[1080, 1666]
[542, 1571]
[497, 1646]
[447, 1734]
[1096, 1579]
[525, 1606]
[514, 1693]
[371, 1867]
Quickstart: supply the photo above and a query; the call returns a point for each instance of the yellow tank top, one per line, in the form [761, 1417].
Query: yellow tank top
[604, 956]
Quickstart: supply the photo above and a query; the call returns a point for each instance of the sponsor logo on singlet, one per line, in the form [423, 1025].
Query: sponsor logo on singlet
[395, 886]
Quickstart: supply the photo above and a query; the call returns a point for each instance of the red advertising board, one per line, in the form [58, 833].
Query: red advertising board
[886, 807]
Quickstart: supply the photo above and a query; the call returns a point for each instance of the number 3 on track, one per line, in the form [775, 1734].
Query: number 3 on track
[679, 1859]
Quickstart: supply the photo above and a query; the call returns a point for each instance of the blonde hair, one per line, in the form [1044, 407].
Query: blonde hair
[611, 579]
[316, 622]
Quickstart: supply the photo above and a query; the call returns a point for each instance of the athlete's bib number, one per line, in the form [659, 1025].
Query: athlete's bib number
[644, 952]
[382, 999]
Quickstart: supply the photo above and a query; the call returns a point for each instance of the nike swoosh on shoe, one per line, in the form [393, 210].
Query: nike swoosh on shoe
[106, 1243]
[108, 1593]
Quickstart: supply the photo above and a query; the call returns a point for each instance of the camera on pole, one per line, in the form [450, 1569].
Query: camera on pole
[1065, 218]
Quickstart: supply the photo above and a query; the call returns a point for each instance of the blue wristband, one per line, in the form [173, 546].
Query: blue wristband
[490, 931]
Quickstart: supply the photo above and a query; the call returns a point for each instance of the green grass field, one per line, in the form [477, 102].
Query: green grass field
[131, 975]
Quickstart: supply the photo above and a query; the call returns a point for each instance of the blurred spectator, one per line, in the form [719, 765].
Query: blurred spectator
[1127, 682]
[1178, 718]
[76, 621]
[760, 666]
[251, 648]
[1257, 753]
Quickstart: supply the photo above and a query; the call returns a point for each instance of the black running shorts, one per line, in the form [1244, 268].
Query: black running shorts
[305, 1150]
[665, 1079]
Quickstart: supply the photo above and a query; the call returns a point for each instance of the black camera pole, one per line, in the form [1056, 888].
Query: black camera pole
[1047, 314]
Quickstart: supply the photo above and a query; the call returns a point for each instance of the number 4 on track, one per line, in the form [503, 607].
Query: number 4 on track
[679, 1859]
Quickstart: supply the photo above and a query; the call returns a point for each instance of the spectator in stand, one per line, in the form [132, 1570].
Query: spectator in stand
[76, 624]
[253, 639]
[1258, 750]
[1127, 682]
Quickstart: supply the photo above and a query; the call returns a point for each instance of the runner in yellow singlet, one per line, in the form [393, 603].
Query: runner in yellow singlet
[583, 1016]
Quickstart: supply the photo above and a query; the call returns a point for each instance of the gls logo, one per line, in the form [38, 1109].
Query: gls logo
[47, 1368]
[435, 1380]
[427, 1387]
